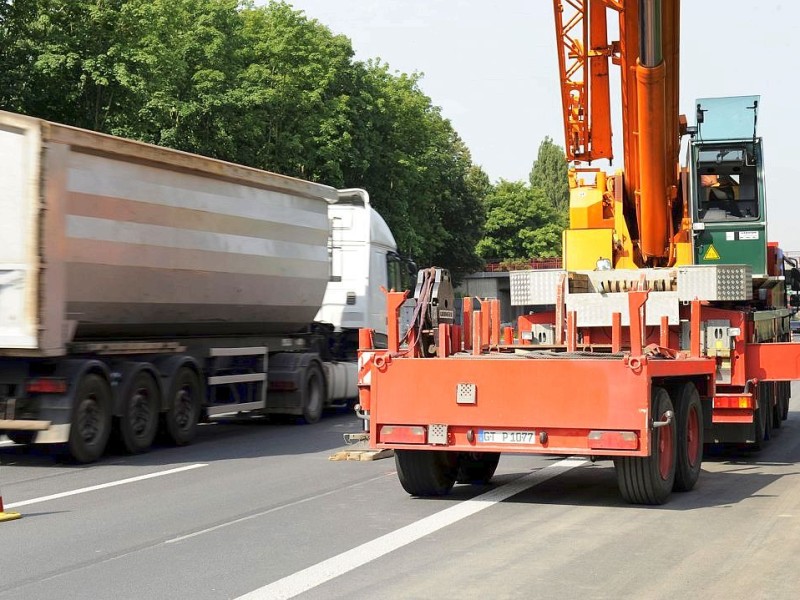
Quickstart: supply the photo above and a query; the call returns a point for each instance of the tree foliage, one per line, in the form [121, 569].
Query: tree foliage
[521, 223]
[549, 174]
[526, 221]
[263, 86]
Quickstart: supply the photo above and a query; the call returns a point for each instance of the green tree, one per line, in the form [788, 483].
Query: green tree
[520, 224]
[416, 168]
[549, 174]
[263, 86]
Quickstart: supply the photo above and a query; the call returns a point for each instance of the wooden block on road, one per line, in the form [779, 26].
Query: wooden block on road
[362, 455]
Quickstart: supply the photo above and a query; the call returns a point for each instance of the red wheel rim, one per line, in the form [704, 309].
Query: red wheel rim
[664, 450]
[693, 437]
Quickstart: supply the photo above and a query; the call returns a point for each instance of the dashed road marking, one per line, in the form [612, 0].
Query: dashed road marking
[103, 486]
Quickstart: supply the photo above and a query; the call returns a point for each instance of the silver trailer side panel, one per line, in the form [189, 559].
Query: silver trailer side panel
[106, 238]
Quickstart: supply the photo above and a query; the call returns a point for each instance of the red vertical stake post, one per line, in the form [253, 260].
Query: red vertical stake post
[455, 338]
[365, 339]
[572, 331]
[495, 329]
[616, 332]
[394, 300]
[467, 322]
[486, 322]
[636, 312]
[477, 326]
[694, 328]
[443, 348]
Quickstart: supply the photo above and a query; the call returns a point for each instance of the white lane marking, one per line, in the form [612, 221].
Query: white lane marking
[102, 486]
[275, 509]
[324, 571]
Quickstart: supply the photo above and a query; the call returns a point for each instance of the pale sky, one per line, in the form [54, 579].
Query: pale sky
[492, 68]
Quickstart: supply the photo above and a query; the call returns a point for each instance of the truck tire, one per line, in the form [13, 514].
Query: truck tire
[760, 419]
[426, 472]
[91, 419]
[138, 424]
[777, 408]
[183, 409]
[477, 467]
[312, 395]
[649, 479]
[781, 409]
[787, 396]
[689, 436]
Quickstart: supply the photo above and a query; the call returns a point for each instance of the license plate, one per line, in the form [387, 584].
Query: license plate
[506, 436]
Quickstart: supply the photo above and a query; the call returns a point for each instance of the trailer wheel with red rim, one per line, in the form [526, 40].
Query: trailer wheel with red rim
[689, 436]
[649, 479]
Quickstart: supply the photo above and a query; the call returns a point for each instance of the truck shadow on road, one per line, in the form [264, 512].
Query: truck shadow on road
[730, 475]
[221, 439]
[596, 485]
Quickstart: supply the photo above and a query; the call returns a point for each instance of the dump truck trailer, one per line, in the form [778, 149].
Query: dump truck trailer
[142, 285]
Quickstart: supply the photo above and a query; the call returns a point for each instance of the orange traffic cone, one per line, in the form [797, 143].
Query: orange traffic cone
[6, 516]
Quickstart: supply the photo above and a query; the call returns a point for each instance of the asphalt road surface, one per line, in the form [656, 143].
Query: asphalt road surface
[257, 510]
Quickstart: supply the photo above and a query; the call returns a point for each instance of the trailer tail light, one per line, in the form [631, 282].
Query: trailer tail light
[46, 385]
[733, 408]
[735, 401]
[613, 440]
[402, 434]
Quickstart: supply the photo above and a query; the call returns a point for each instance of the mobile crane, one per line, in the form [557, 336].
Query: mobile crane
[666, 329]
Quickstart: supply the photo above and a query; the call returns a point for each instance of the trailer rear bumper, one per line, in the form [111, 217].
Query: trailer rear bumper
[583, 406]
[547, 440]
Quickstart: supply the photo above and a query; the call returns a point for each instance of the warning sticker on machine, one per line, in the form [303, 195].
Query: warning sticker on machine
[748, 235]
[711, 253]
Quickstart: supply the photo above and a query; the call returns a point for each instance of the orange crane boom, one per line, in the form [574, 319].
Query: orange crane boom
[647, 53]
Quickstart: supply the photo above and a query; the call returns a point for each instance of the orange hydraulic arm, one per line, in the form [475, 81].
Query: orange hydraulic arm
[647, 54]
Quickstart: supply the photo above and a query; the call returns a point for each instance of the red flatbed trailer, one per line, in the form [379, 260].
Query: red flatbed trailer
[639, 396]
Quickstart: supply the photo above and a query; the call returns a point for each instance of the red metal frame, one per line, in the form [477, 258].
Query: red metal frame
[577, 405]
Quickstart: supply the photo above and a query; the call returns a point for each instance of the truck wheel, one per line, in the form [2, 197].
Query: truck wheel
[760, 422]
[91, 419]
[689, 429]
[183, 412]
[426, 472]
[139, 421]
[313, 393]
[477, 467]
[649, 479]
[787, 396]
[777, 409]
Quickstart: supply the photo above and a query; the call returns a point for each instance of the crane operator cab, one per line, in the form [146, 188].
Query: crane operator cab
[727, 184]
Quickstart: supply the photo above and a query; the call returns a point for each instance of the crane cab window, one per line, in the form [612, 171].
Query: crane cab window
[726, 185]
